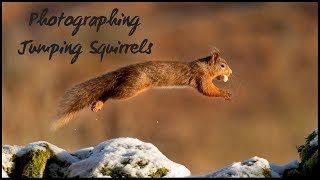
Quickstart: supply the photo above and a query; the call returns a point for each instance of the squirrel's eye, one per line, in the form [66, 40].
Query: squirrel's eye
[222, 65]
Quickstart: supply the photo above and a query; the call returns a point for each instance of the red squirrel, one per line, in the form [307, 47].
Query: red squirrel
[134, 79]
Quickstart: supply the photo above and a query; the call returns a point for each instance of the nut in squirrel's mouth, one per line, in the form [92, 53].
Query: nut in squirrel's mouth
[224, 78]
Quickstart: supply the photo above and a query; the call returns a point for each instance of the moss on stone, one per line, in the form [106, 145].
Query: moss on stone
[266, 172]
[306, 151]
[55, 168]
[142, 164]
[311, 137]
[309, 160]
[160, 173]
[309, 157]
[295, 172]
[105, 171]
[126, 161]
[116, 172]
[311, 165]
[37, 164]
[32, 164]
[9, 169]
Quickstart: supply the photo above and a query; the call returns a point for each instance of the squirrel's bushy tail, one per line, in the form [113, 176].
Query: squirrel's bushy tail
[78, 97]
[61, 121]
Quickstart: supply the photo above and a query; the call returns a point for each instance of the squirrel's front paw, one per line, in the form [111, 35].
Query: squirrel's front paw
[96, 106]
[226, 95]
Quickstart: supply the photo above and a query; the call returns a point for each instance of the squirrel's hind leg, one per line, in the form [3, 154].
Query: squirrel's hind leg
[97, 105]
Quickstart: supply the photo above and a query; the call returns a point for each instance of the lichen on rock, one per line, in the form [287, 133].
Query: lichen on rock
[159, 173]
[131, 158]
[8, 157]
[4, 174]
[254, 167]
[121, 157]
[35, 160]
[126, 157]
[32, 164]
[27, 162]
[266, 172]
[56, 168]
[308, 153]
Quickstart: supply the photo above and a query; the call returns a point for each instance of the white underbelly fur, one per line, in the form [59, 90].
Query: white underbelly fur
[225, 79]
[171, 87]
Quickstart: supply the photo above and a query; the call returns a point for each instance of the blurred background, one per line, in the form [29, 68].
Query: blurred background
[272, 49]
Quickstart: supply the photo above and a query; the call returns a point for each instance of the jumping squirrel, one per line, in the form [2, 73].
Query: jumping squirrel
[133, 79]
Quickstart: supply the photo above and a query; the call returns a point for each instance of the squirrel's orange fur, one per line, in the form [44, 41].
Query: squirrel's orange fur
[131, 80]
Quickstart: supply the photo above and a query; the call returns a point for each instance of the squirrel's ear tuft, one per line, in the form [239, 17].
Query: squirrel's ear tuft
[215, 54]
